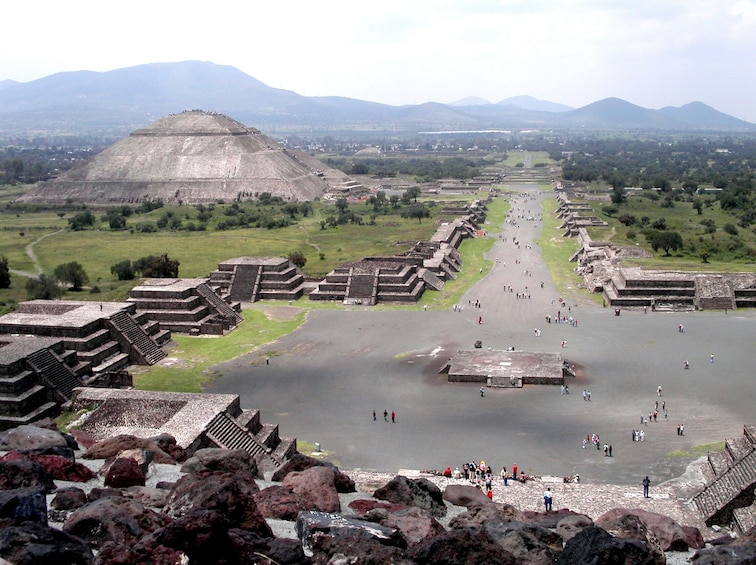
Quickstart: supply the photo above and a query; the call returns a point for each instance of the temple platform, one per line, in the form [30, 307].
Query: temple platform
[506, 369]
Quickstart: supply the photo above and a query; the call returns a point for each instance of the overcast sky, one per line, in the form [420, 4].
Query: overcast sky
[653, 53]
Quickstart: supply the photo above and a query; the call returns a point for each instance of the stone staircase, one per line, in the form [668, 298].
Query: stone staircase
[138, 339]
[60, 378]
[227, 433]
[220, 305]
[362, 288]
[245, 283]
[731, 477]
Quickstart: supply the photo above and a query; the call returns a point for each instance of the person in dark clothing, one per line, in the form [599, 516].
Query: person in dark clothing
[646, 483]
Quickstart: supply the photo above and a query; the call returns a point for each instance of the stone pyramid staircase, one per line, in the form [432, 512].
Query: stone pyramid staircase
[60, 378]
[229, 433]
[220, 305]
[138, 339]
[728, 496]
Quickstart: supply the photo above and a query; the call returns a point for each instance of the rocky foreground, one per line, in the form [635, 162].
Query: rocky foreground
[129, 500]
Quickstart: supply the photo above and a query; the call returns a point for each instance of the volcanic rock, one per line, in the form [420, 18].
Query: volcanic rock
[316, 487]
[413, 492]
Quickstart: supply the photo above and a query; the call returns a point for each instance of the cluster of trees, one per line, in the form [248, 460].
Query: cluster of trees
[422, 168]
[33, 161]
[46, 287]
[152, 266]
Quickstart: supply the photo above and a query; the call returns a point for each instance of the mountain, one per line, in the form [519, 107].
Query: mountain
[7, 83]
[114, 103]
[470, 101]
[704, 116]
[530, 103]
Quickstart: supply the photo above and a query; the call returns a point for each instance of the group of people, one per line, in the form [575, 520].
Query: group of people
[386, 416]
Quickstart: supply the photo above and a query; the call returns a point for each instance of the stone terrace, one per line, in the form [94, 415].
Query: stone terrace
[728, 495]
[26, 392]
[195, 420]
[510, 369]
[249, 279]
[183, 305]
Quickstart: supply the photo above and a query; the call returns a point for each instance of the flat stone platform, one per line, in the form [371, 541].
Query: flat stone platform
[509, 369]
[150, 413]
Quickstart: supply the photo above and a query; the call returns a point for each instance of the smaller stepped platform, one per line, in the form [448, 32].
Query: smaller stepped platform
[195, 420]
[183, 306]
[249, 279]
[28, 389]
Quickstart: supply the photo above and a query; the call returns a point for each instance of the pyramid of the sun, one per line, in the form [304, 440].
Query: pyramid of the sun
[193, 157]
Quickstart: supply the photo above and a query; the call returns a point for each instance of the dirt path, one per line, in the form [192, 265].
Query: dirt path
[29, 250]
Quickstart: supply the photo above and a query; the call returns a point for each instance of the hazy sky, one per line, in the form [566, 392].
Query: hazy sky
[653, 53]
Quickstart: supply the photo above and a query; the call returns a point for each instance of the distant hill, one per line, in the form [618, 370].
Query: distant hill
[470, 101]
[530, 103]
[116, 102]
[7, 83]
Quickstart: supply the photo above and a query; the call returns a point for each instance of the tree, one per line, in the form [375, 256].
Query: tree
[81, 221]
[123, 270]
[43, 287]
[298, 258]
[666, 240]
[160, 267]
[416, 211]
[5, 281]
[697, 205]
[342, 205]
[618, 195]
[72, 273]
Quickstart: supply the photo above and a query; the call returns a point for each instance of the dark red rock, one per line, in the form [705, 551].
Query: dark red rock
[529, 543]
[569, 526]
[670, 535]
[299, 462]
[125, 472]
[231, 495]
[315, 486]
[201, 534]
[69, 498]
[413, 492]
[168, 444]
[24, 474]
[150, 497]
[464, 495]
[726, 555]
[594, 546]
[247, 548]
[280, 503]
[354, 547]
[477, 514]
[83, 438]
[547, 519]
[414, 524]
[97, 493]
[223, 460]
[32, 544]
[60, 468]
[111, 447]
[363, 506]
[113, 519]
[460, 547]
[112, 553]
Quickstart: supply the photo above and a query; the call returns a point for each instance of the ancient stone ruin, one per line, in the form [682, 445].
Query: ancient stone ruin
[52, 346]
[184, 306]
[249, 279]
[728, 497]
[600, 265]
[196, 421]
[192, 157]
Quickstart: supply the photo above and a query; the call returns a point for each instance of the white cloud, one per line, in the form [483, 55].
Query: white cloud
[649, 52]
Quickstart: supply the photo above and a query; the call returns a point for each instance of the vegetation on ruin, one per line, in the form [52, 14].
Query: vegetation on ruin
[186, 369]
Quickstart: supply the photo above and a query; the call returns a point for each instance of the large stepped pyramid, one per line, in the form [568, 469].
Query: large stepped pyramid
[728, 495]
[193, 157]
[60, 377]
[142, 344]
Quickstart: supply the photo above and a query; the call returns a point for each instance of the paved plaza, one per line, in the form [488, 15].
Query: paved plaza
[325, 380]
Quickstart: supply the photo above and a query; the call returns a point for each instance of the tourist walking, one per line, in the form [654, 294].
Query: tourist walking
[373, 415]
[646, 483]
[385, 416]
[393, 417]
[482, 392]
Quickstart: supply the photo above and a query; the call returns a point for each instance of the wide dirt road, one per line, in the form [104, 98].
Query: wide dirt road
[329, 376]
